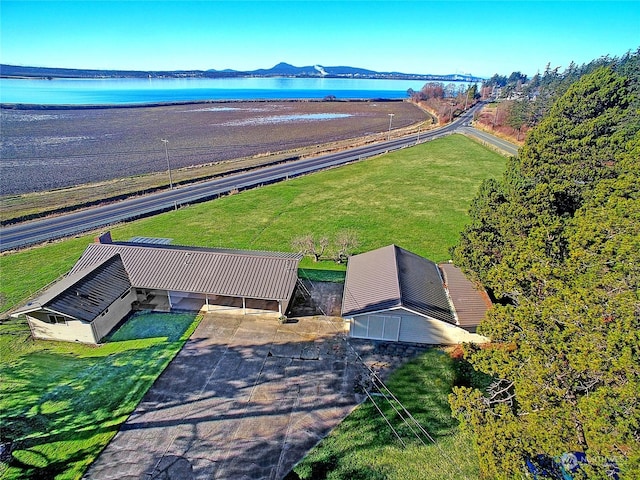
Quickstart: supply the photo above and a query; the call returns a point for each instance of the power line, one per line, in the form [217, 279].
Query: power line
[407, 418]
[380, 385]
[385, 418]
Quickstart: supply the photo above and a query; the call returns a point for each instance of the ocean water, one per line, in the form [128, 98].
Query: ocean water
[121, 91]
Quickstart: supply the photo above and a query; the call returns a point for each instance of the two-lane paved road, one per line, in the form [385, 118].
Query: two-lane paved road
[492, 140]
[38, 231]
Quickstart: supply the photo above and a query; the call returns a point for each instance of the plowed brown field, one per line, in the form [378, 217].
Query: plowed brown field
[45, 149]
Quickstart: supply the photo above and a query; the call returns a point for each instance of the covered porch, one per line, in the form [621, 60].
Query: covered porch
[236, 305]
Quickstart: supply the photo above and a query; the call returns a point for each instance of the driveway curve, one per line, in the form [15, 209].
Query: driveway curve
[245, 398]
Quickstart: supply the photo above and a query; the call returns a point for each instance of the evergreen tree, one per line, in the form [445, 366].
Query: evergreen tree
[559, 237]
[567, 154]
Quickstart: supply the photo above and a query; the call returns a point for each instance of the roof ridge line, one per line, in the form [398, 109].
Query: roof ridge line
[211, 250]
[72, 282]
[396, 251]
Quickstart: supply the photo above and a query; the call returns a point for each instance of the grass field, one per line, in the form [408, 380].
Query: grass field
[364, 447]
[416, 198]
[61, 403]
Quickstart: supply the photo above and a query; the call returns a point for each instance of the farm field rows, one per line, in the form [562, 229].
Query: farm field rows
[75, 156]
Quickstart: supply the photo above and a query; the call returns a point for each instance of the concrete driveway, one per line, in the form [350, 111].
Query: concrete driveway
[246, 397]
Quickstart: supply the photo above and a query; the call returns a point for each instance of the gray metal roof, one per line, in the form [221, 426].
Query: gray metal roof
[236, 273]
[470, 303]
[392, 277]
[234, 251]
[85, 293]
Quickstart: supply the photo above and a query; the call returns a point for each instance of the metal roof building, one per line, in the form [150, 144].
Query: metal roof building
[394, 277]
[395, 295]
[113, 278]
[234, 273]
[85, 294]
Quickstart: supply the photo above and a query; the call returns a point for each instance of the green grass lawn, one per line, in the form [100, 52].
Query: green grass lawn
[416, 198]
[61, 403]
[364, 447]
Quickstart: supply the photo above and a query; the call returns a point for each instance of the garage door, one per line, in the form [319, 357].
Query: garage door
[376, 327]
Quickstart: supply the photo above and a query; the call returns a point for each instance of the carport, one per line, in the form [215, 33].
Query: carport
[113, 278]
[168, 277]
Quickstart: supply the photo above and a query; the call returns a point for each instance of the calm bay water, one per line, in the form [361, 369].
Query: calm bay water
[121, 91]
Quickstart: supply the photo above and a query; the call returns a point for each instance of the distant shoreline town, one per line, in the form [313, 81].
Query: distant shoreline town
[279, 70]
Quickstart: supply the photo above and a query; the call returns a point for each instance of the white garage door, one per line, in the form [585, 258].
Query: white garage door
[376, 327]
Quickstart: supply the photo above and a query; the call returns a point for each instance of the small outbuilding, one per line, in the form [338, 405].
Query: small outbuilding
[84, 306]
[111, 279]
[392, 294]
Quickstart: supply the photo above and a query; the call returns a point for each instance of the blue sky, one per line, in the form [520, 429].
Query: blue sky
[410, 36]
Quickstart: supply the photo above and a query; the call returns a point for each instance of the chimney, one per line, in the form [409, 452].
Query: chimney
[104, 238]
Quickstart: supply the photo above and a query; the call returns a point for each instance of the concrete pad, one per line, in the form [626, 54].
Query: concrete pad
[246, 397]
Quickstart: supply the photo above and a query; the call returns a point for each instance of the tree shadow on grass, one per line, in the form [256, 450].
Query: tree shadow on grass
[60, 408]
[29, 460]
[75, 407]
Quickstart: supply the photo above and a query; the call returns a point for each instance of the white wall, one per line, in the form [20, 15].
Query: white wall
[119, 309]
[72, 331]
[414, 329]
[78, 330]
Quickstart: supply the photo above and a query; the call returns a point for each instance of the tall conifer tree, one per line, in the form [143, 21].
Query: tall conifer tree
[559, 238]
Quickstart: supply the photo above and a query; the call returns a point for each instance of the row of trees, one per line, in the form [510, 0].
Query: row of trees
[439, 90]
[557, 242]
[445, 101]
[527, 101]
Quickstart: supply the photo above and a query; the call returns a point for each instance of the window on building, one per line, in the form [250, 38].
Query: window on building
[57, 319]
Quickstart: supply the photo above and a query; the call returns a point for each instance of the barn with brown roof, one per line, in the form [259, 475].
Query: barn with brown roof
[392, 294]
[111, 279]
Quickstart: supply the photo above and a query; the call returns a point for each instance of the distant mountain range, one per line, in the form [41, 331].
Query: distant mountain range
[279, 70]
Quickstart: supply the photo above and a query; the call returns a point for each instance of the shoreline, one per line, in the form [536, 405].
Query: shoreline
[39, 106]
[80, 155]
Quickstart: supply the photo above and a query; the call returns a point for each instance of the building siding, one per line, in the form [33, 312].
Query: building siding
[414, 328]
[75, 330]
[72, 331]
[119, 309]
